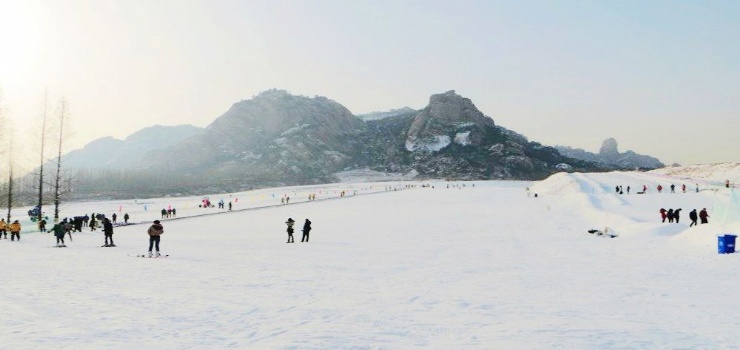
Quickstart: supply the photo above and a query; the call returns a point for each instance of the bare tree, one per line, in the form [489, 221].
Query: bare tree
[10, 176]
[58, 178]
[44, 117]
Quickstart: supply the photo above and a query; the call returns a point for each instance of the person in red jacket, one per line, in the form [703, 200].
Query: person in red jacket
[663, 214]
[703, 215]
[660, 188]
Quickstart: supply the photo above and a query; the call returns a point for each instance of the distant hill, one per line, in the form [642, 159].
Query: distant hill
[110, 153]
[610, 157]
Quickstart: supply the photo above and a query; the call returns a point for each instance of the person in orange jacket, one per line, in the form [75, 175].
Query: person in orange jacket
[15, 230]
[3, 229]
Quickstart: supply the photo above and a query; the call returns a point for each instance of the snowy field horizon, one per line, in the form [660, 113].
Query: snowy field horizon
[396, 265]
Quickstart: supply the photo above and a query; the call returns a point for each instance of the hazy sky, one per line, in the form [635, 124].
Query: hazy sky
[662, 77]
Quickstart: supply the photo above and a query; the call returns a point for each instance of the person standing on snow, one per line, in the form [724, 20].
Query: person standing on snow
[125, 218]
[660, 188]
[290, 223]
[663, 214]
[108, 231]
[3, 229]
[676, 214]
[15, 230]
[154, 231]
[93, 223]
[703, 215]
[59, 233]
[693, 216]
[306, 230]
[670, 215]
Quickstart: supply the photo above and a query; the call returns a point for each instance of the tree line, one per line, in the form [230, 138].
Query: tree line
[43, 185]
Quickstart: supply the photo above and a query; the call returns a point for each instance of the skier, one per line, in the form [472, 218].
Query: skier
[663, 214]
[673, 188]
[164, 213]
[683, 188]
[59, 232]
[125, 218]
[628, 190]
[727, 184]
[290, 223]
[670, 215]
[42, 225]
[229, 205]
[3, 229]
[108, 231]
[703, 215]
[676, 214]
[113, 217]
[154, 231]
[15, 230]
[660, 188]
[693, 216]
[306, 230]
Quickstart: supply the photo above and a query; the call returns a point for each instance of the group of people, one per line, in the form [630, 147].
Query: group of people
[306, 230]
[619, 189]
[14, 228]
[154, 232]
[674, 216]
[168, 213]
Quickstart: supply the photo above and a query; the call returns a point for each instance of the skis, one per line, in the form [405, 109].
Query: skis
[108, 245]
[153, 256]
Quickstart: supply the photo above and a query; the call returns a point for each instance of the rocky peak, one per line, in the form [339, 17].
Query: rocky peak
[446, 117]
[609, 148]
[450, 107]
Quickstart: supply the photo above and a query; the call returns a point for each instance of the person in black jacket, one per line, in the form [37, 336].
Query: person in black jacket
[693, 216]
[108, 231]
[677, 214]
[306, 230]
[290, 223]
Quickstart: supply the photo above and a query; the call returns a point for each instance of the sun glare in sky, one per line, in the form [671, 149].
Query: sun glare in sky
[20, 38]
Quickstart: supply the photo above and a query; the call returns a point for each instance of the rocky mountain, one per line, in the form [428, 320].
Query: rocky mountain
[273, 138]
[610, 157]
[277, 138]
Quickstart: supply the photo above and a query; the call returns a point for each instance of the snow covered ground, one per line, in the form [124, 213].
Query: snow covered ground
[483, 265]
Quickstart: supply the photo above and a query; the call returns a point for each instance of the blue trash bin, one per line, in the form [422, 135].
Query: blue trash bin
[726, 244]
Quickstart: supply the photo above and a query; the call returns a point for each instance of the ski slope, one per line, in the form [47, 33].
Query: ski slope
[448, 266]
